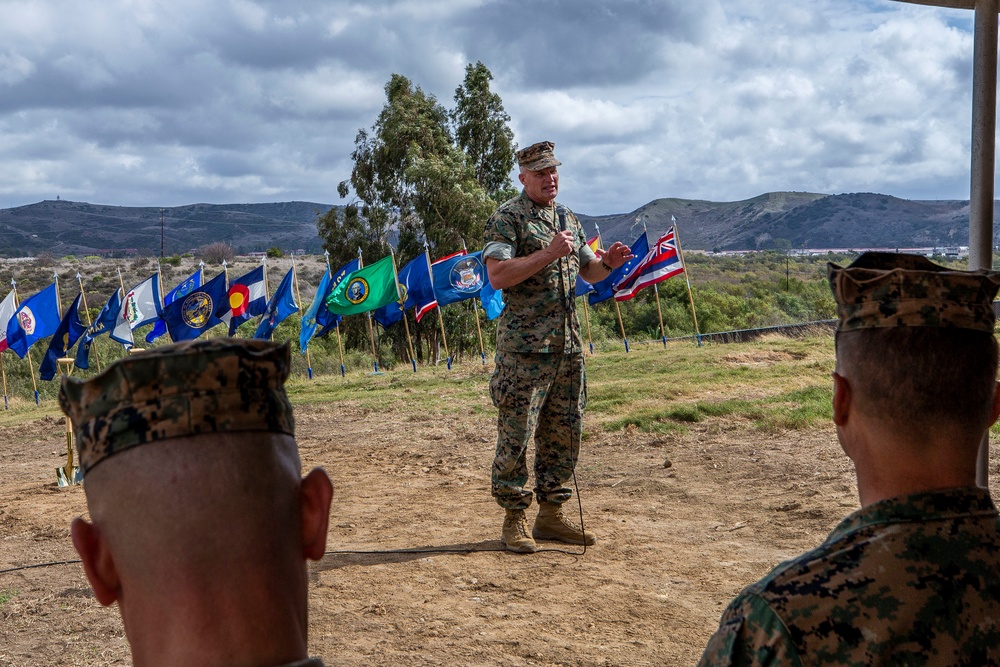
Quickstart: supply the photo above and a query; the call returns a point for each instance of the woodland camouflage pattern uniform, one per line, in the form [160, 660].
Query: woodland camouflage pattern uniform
[221, 385]
[539, 384]
[912, 580]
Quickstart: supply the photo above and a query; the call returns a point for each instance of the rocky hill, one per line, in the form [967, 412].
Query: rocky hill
[773, 220]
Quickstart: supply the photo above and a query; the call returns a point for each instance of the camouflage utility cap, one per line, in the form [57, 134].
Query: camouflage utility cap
[538, 156]
[191, 388]
[884, 289]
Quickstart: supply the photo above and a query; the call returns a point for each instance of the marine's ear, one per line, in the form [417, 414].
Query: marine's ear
[316, 493]
[842, 396]
[98, 563]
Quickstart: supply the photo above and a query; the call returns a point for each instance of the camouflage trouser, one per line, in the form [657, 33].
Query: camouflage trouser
[542, 394]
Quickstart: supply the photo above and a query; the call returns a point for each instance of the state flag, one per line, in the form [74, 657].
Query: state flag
[7, 308]
[193, 315]
[661, 262]
[67, 333]
[247, 298]
[605, 289]
[190, 284]
[281, 305]
[366, 289]
[37, 317]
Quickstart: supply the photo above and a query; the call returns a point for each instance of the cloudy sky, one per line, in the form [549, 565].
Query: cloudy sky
[170, 102]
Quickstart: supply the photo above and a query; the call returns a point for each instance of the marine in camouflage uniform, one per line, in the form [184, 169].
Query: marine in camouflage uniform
[200, 522]
[539, 385]
[909, 579]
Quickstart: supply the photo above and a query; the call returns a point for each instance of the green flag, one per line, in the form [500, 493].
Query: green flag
[366, 289]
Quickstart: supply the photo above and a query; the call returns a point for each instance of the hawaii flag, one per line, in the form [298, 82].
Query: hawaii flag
[247, 298]
[660, 263]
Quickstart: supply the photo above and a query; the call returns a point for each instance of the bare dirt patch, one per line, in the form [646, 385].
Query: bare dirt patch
[684, 522]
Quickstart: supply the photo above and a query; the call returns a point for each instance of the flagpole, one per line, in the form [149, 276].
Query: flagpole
[399, 297]
[121, 281]
[298, 297]
[687, 280]
[371, 332]
[340, 342]
[225, 270]
[267, 289]
[618, 310]
[27, 353]
[90, 321]
[444, 338]
[656, 292]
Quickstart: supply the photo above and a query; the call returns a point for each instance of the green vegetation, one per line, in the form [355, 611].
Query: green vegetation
[274, 252]
[7, 595]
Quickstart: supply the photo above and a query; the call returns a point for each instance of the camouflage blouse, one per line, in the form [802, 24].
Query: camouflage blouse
[540, 315]
[913, 580]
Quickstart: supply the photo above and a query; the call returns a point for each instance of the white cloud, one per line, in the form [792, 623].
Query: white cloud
[146, 102]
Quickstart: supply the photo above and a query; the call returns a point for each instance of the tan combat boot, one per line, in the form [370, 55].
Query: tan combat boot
[515, 533]
[550, 524]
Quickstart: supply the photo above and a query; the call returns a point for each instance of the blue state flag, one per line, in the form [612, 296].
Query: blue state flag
[37, 317]
[281, 305]
[416, 290]
[190, 284]
[325, 320]
[309, 324]
[193, 315]
[458, 278]
[492, 300]
[67, 333]
[104, 323]
[605, 289]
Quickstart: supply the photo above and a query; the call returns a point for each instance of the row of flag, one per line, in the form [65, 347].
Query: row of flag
[193, 306]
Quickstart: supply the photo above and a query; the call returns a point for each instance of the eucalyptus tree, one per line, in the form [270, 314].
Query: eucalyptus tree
[483, 132]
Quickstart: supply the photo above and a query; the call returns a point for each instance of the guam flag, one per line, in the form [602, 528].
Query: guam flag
[193, 315]
[247, 298]
[458, 277]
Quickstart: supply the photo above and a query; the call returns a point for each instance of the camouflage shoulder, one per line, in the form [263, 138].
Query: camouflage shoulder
[750, 634]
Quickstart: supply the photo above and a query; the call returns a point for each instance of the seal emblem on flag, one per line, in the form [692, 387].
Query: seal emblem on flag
[26, 320]
[196, 310]
[357, 290]
[467, 275]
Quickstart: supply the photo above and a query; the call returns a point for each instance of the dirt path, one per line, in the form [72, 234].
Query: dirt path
[684, 523]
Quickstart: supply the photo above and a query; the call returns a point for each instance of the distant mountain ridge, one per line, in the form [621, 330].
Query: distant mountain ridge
[797, 220]
[78, 228]
[772, 220]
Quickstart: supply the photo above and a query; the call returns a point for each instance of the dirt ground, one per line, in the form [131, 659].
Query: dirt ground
[683, 523]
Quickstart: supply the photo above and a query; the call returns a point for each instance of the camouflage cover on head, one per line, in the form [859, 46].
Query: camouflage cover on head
[884, 289]
[538, 156]
[191, 388]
